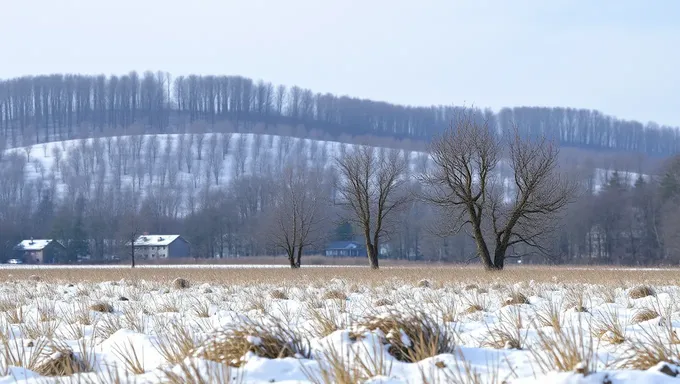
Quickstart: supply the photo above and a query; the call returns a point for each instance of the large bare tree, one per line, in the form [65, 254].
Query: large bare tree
[370, 186]
[498, 212]
[300, 210]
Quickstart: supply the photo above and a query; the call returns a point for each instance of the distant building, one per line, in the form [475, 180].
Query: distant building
[39, 251]
[161, 247]
[345, 248]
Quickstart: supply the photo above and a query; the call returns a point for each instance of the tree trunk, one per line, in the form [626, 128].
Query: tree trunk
[132, 254]
[482, 248]
[372, 252]
[291, 258]
[299, 256]
[499, 259]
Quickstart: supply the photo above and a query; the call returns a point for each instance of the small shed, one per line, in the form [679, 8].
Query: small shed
[345, 249]
[161, 247]
[39, 251]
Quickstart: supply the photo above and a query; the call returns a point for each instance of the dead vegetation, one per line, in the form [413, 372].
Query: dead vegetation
[272, 341]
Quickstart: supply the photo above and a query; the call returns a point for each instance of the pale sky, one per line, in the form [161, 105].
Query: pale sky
[618, 56]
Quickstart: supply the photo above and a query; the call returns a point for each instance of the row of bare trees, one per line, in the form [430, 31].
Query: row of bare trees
[57, 107]
[474, 195]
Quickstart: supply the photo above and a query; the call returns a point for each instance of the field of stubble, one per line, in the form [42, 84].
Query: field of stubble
[339, 325]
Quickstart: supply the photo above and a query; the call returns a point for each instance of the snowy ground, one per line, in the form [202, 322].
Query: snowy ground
[337, 331]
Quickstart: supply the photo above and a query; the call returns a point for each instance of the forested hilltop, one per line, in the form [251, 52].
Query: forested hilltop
[57, 107]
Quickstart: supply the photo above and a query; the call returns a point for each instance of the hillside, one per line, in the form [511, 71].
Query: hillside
[58, 107]
[182, 164]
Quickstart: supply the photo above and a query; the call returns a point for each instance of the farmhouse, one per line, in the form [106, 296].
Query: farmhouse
[39, 251]
[345, 248]
[161, 247]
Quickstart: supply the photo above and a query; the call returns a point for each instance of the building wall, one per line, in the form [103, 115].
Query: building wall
[178, 248]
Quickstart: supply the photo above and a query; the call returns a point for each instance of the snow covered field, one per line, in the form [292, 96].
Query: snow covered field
[397, 325]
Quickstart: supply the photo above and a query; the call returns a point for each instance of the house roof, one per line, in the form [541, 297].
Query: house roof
[344, 245]
[155, 240]
[33, 245]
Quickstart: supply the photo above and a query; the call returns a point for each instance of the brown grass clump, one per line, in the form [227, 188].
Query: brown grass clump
[470, 287]
[278, 294]
[334, 294]
[34, 278]
[325, 321]
[381, 302]
[641, 291]
[564, 351]
[411, 337]
[62, 362]
[507, 333]
[101, 307]
[651, 348]
[608, 328]
[271, 341]
[175, 344]
[643, 315]
[424, 283]
[180, 283]
[473, 308]
[515, 298]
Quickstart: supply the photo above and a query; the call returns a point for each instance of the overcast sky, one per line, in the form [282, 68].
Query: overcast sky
[617, 56]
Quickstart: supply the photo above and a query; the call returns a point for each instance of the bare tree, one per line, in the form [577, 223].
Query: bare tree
[499, 213]
[225, 140]
[189, 152]
[299, 212]
[370, 187]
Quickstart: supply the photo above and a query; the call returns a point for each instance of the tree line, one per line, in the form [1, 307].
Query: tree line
[56, 107]
[472, 195]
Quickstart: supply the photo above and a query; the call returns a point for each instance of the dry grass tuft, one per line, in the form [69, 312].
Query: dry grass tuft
[102, 307]
[644, 314]
[424, 283]
[381, 302]
[272, 341]
[180, 283]
[608, 327]
[35, 278]
[515, 298]
[507, 333]
[334, 294]
[61, 362]
[473, 308]
[175, 343]
[564, 351]
[471, 287]
[325, 321]
[337, 368]
[651, 348]
[278, 294]
[411, 337]
[641, 291]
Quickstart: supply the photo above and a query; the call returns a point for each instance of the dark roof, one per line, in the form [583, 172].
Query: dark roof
[345, 245]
